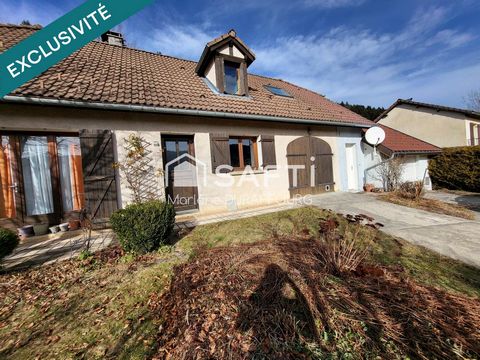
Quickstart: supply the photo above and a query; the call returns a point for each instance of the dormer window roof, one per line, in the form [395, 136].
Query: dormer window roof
[224, 64]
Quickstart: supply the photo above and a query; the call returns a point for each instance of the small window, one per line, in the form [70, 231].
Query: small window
[243, 152]
[231, 77]
[277, 91]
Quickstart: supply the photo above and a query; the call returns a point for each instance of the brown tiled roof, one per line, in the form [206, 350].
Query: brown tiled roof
[399, 142]
[106, 73]
[470, 113]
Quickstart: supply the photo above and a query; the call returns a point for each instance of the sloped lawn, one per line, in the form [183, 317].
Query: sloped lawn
[224, 294]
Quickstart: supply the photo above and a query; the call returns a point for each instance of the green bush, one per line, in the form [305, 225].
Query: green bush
[143, 227]
[457, 169]
[8, 242]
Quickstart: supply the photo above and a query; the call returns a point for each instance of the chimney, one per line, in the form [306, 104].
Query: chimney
[113, 38]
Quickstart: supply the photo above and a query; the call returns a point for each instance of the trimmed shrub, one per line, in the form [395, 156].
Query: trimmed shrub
[143, 227]
[457, 169]
[8, 242]
[412, 190]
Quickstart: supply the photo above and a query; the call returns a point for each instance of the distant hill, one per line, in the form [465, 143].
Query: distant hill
[368, 112]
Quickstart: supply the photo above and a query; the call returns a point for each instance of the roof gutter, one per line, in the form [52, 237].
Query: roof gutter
[163, 110]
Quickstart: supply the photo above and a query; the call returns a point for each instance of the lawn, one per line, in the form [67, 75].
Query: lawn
[113, 305]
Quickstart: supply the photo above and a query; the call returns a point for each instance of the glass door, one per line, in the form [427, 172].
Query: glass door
[41, 178]
[37, 175]
[180, 169]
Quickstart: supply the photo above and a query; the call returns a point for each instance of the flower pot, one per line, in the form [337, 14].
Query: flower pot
[63, 227]
[368, 187]
[40, 229]
[54, 229]
[74, 224]
[26, 231]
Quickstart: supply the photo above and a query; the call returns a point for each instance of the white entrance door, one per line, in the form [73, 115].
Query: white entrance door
[352, 175]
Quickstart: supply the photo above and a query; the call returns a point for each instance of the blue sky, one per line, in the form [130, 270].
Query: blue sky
[363, 51]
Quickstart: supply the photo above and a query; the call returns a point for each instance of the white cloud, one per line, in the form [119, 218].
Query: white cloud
[366, 67]
[354, 64]
[185, 41]
[331, 4]
[15, 12]
[451, 38]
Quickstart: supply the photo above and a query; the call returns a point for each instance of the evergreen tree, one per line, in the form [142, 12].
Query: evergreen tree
[368, 112]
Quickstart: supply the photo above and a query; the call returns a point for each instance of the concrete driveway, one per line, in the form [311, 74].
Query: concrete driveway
[450, 236]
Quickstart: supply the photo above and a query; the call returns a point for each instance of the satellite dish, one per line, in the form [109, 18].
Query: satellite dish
[375, 135]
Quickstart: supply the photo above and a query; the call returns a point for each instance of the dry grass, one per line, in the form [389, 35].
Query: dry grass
[436, 206]
[275, 299]
[99, 308]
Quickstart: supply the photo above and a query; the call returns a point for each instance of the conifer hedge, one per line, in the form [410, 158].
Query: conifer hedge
[457, 168]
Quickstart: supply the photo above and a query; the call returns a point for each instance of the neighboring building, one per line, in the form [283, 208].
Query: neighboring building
[415, 154]
[62, 131]
[438, 125]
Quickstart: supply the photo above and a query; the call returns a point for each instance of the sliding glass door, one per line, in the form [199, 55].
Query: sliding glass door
[41, 177]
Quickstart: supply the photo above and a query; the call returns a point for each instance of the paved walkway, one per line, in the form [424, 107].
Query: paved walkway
[42, 250]
[47, 249]
[450, 236]
[466, 199]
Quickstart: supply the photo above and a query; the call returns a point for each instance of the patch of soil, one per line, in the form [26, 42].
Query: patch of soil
[274, 299]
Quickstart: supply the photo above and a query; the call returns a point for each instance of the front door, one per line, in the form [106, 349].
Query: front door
[180, 171]
[351, 154]
[41, 178]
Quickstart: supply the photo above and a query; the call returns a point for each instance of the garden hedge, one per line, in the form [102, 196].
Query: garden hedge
[143, 227]
[457, 169]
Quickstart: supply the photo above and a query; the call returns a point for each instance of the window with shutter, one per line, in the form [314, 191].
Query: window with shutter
[99, 173]
[220, 151]
[268, 151]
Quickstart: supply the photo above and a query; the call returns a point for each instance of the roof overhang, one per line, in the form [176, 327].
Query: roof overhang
[175, 111]
[466, 112]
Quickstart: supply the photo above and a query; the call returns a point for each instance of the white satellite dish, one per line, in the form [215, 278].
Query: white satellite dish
[375, 136]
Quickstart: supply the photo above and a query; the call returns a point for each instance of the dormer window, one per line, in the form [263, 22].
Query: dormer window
[232, 77]
[224, 64]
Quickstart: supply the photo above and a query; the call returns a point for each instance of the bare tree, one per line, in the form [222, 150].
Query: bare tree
[473, 100]
[390, 172]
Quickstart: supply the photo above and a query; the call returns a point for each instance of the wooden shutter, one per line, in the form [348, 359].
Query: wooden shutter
[220, 74]
[99, 173]
[472, 134]
[478, 134]
[243, 90]
[268, 150]
[220, 151]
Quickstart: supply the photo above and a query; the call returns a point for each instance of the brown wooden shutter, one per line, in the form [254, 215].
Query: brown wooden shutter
[243, 79]
[268, 150]
[220, 74]
[472, 134]
[220, 150]
[99, 173]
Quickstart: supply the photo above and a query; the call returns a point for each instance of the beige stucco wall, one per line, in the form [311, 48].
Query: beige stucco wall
[211, 74]
[443, 129]
[242, 192]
